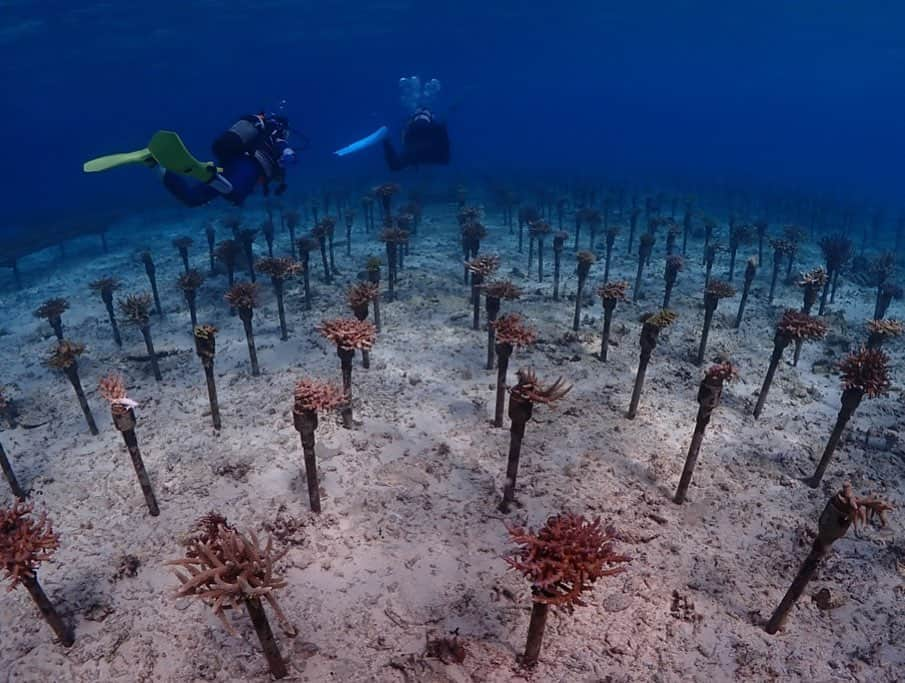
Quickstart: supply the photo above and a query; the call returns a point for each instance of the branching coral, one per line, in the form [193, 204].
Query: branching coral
[361, 294]
[530, 389]
[136, 308]
[317, 396]
[879, 331]
[613, 291]
[105, 286]
[278, 267]
[586, 257]
[863, 510]
[722, 372]
[243, 295]
[510, 329]
[65, 355]
[866, 371]
[501, 289]
[565, 558]
[190, 280]
[484, 265]
[719, 289]
[348, 333]
[52, 308]
[25, 542]
[797, 325]
[661, 319]
[562, 560]
[228, 570]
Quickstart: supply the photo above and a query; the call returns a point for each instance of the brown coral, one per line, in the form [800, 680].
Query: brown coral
[722, 372]
[885, 329]
[530, 389]
[539, 229]
[719, 289]
[136, 308]
[863, 510]
[502, 289]
[866, 370]
[510, 329]
[105, 286]
[112, 387]
[797, 325]
[316, 396]
[190, 280]
[224, 568]
[661, 319]
[361, 294]
[278, 267]
[183, 242]
[613, 291]
[394, 235]
[565, 558]
[586, 257]
[64, 355]
[484, 265]
[243, 295]
[349, 334]
[813, 279]
[25, 541]
[52, 308]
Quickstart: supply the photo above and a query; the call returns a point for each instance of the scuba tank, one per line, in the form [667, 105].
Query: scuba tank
[242, 138]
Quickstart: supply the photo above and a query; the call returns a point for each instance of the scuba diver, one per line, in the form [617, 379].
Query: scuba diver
[254, 151]
[425, 139]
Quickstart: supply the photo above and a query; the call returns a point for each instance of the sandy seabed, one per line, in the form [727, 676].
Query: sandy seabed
[410, 544]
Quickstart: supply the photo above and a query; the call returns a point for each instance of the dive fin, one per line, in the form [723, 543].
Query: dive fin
[365, 142]
[141, 156]
[170, 152]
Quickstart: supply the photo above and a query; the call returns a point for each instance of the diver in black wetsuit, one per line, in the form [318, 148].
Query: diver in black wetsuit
[425, 140]
[254, 151]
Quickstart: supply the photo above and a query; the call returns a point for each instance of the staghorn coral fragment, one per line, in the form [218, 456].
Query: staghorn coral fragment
[501, 289]
[484, 265]
[25, 542]
[614, 291]
[243, 295]
[510, 329]
[348, 333]
[278, 267]
[530, 389]
[315, 395]
[136, 308]
[867, 371]
[361, 294]
[64, 355]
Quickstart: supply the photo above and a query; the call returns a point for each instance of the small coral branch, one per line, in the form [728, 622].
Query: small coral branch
[349, 335]
[137, 310]
[310, 398]
[65, 357]
[243, 296]
[652, 325]
[106, 286]
[510, 332]
[610, 293]
[52, 311]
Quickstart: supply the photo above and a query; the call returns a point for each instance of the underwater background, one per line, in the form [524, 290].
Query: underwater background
[803, 95]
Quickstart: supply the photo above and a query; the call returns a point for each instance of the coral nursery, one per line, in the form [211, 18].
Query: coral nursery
[404, 509]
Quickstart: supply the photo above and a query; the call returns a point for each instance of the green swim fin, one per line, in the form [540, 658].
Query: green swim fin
[171, 153]
[141, 156]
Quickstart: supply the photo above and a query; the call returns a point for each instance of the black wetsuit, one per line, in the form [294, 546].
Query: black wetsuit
[424, 141]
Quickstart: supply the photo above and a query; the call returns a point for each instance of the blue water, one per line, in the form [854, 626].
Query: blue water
[780, 94]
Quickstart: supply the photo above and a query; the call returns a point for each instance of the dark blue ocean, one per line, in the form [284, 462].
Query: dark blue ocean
[806, 95]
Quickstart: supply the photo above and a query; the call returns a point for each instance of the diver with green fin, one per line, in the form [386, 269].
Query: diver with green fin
[425, 140]
[254, 151]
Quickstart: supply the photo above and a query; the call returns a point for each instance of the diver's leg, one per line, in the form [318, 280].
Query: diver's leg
[393, 161]
[190, 192]
[243, 173]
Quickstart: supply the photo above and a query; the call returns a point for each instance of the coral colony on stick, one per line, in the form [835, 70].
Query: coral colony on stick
[52, 311]
[522, 399]
[26, 542]
[122, 408]
[585, 259]
[837, 250]
[716, 290]
[65, 357]
[611, 293]
[511, 332]
[880, 331]
[793, 325]
[559, 240]
[863, 373]
[674, 265]
[105, 287]
[494, 293]
[750, 272]
[228, 570]
[151, 272]
[182, 245]
[709, 394]
[653, 324]
[312, 397]
[189, 282]
[359, 296]
[841, 511]
[206, 348]
[562, 560]
[5, 464]
[811, 283]
[480, 267]
[137, 310]
[348, 334]
[279, 269]
[243, 296]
